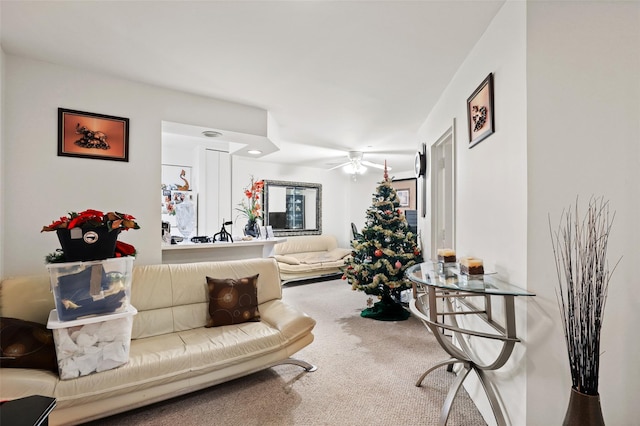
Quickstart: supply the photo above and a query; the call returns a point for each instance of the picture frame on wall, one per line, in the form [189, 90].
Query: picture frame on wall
[403, 195]
[90, 135]
[480, 112]
[407, 191]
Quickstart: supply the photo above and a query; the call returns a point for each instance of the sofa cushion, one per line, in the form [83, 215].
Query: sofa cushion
[306, 243]
[334, 255]
[232, 301]
[321, 268]
[26, 344]
[153, 361]
[174, 297]
[217, 347]
[289, 260]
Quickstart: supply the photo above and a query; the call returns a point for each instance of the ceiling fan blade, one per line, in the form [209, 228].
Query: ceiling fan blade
[340, 165]
[375, 165]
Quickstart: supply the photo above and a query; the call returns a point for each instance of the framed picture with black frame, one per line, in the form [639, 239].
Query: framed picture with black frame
[90, 135]
[480, 112]
[403, 196]
[407, 191]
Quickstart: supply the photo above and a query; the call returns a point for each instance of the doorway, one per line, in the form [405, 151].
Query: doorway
[443, 191]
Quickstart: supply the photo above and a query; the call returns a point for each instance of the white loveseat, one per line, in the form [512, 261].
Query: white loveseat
[171, 351]
[310, 256]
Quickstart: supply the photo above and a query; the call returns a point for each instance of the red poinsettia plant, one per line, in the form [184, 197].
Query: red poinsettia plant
[94, 219]
[251, 207]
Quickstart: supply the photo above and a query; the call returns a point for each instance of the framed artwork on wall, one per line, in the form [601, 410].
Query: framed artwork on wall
[407, 190]
[403, 195]
[480, 112]
[90, 135]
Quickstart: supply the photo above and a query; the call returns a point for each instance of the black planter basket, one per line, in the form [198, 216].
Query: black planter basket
[87, 244]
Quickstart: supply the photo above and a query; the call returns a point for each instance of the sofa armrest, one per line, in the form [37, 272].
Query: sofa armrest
[291, 322]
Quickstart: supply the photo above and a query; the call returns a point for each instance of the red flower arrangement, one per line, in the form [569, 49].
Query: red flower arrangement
[124, 249]
[253, 211]
[94, 219]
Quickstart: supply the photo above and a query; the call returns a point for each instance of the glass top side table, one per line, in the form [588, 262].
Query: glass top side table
[464, 295]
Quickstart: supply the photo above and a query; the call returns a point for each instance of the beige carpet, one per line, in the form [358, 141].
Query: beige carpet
[366, 375]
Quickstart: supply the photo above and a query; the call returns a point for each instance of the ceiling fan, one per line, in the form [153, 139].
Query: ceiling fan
[356, 165]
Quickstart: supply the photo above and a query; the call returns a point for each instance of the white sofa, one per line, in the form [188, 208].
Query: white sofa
[310, 256]
[171, 351]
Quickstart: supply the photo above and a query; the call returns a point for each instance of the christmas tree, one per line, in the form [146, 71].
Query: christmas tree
[382, 251]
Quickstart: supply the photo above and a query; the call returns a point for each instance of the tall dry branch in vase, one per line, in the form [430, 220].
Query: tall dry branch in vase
[580, 250]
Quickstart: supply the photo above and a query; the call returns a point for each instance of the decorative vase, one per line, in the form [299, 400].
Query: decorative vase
[583, 410]
[80, 244]
[252, 229]
[186, 217]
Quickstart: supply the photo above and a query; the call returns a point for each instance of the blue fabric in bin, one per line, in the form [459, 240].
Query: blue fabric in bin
[74, 299]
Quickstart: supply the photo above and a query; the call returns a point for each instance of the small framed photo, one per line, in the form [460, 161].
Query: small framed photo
[407, 190]
[403, 195]
[480, 112]
[90, 135]
[269, 232]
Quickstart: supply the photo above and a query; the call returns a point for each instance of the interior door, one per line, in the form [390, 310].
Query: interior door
[443, 192]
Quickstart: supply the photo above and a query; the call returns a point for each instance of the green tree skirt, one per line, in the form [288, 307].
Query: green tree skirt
[386, 310]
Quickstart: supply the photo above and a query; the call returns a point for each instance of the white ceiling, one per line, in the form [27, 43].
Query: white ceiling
[334, 75]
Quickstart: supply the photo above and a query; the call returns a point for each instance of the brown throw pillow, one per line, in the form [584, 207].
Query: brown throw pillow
[232, 301]
[26, 344]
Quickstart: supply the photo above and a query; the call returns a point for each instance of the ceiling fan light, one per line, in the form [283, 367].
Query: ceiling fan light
[355, 169]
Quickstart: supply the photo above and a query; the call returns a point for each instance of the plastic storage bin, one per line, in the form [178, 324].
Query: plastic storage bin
[98, 287]
[91, 345]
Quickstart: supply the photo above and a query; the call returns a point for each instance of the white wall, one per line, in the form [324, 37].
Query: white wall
[491, 183]
[2, 223]
[39, 186]
[583, 68]
[567, 97]
[42, 186]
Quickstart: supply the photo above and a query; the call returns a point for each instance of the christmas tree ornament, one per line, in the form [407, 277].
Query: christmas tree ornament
[378, 253]
[398, 264]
